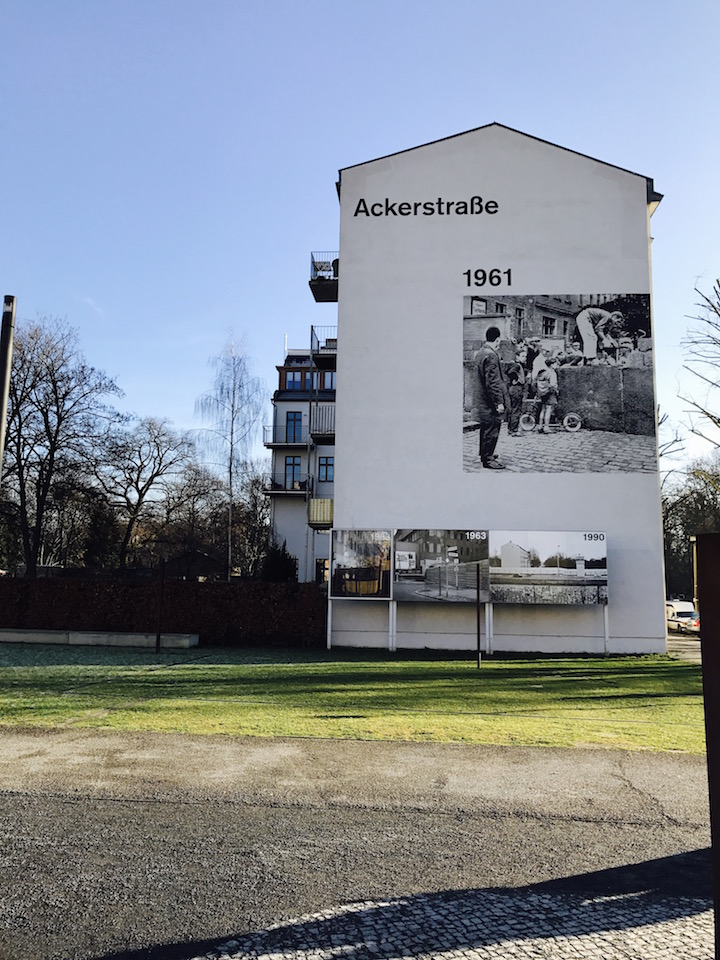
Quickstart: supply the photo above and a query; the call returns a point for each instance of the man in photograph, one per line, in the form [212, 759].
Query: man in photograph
[595, 325]
[492, 398]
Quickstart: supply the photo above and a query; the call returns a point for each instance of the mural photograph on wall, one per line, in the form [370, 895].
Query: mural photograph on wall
[361, 564]
[558, 384]
[537, 567]
[440, 566]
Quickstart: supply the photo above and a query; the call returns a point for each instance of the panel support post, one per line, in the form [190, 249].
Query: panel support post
[606, 630]
[329, 625]
[708, 579]
[478, 613]
[392, 618]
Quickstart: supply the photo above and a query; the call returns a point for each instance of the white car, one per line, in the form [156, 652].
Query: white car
[682, 616]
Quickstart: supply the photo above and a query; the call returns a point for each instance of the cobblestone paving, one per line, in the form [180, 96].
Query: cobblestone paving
[588, 451]
[484, 925]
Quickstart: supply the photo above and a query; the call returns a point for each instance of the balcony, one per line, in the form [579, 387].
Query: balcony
[282, 435]
[324, 272]
[322, 422]
[320, 513]
[323, 347]
[293, 484]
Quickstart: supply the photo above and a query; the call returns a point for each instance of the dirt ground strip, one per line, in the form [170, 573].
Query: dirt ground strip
[151, 845]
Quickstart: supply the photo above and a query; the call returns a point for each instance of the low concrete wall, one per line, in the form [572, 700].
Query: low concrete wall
[100, 639]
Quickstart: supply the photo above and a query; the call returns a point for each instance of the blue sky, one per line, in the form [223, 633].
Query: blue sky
[168, 165]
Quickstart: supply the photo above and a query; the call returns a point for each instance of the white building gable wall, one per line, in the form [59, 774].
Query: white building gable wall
[564, 224]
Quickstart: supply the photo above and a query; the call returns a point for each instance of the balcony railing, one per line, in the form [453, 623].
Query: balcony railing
[322, 420]
[324, 272]
[323, 339]
[290, 483]
[320, 512]
[324, 265]
[282, 435]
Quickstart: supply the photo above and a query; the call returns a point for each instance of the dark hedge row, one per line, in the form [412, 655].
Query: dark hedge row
[246, 612]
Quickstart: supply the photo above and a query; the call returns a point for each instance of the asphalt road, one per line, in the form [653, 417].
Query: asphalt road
[152, 845]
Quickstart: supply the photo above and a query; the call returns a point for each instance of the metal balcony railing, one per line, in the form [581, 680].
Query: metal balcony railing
[323, 340]
[320, 512]
[324, 265]
[283, 435]
[290, 482]
[323, 420]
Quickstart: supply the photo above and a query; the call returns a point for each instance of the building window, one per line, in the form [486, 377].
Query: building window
[322, 571]
[500, 308]
[549, 326]
[292, 473]
[326, 469]
[294, 427]
[297, 380]
[329, 378]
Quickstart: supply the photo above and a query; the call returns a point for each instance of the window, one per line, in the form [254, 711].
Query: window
[292, 473]
[326, 469]
[549, 326]
[500, 308]
[329, 380]
[519, 313]
[297, 380]
[293, 433]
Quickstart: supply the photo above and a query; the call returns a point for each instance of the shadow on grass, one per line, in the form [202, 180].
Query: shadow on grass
[624, 898]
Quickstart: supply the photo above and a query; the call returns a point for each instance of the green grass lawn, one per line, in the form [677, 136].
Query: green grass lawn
[635, 703]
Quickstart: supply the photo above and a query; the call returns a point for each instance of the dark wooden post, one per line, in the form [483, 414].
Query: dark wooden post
[708, 580]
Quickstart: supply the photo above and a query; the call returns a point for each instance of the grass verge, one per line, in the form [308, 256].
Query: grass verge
[635, 703]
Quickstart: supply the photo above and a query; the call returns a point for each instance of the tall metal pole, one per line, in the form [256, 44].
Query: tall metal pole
[6, 348]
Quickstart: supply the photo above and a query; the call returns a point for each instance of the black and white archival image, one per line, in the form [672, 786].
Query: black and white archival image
[441, 566]
[361, 564]
[558, 384]
[560, 567]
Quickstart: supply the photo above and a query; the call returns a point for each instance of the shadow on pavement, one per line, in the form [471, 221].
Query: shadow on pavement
[656, 891]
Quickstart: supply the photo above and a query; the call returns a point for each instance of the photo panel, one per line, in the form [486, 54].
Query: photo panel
[558, 383]
[441, 566]
[548, 567]
[361, 564]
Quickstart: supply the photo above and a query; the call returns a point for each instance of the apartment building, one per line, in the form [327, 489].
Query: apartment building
[301, 439]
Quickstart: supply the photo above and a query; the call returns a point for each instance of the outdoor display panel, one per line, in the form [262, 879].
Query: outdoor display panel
[544, 567]
[441, 566]
[360, 567]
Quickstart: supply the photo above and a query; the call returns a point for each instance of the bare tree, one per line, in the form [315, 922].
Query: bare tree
[57, 410]
[252, 528]
[702, 349]
[136, 465]
[232, 410]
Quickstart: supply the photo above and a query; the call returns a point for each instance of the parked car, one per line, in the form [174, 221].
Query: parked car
[682, 616]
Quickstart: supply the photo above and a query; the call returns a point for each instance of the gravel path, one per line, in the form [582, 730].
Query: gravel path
[167, 846]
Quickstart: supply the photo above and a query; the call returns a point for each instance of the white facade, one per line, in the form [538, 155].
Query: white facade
[417, 231]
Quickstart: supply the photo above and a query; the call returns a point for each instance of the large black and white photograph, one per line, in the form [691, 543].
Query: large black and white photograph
[558, 384]
[441, 566]
[542, 567]
[361, 564]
